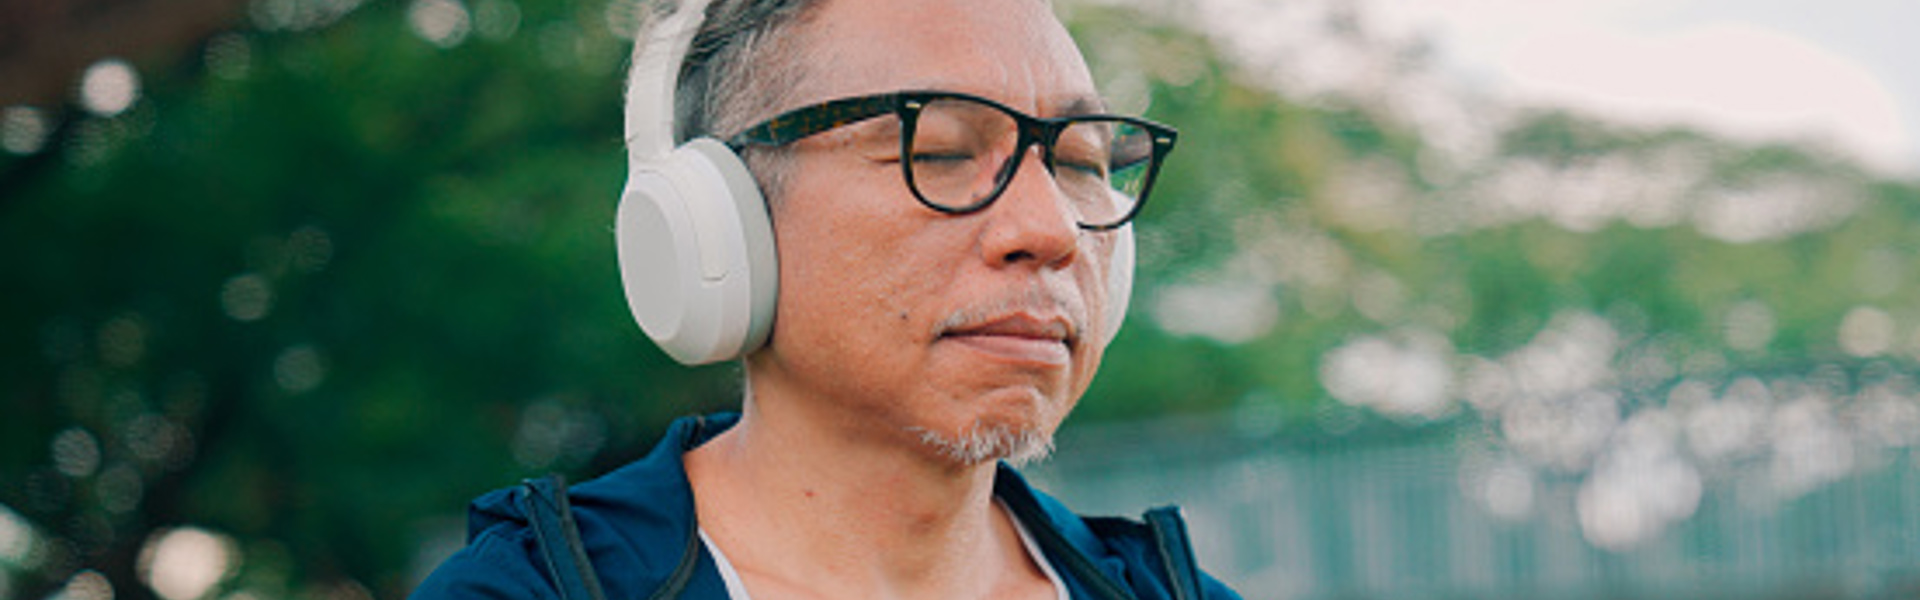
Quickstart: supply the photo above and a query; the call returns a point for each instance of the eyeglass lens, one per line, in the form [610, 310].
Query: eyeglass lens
[963, 153]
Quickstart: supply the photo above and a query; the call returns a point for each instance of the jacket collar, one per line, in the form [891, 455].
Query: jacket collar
[642, 515]
[638, 521]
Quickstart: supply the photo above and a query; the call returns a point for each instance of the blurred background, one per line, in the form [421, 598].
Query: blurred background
[1439, 299]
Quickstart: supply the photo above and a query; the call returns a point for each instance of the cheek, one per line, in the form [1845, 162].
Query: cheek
[845, 275]
[824, 276]
[1098, 282]
[1098, 285]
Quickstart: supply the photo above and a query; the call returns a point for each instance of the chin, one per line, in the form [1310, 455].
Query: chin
[1017, 428]
[985, 443]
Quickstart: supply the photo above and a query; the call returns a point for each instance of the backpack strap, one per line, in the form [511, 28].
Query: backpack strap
[1176, 551]
[544, 501]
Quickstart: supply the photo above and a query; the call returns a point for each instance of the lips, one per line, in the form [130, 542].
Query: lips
[1018, 337]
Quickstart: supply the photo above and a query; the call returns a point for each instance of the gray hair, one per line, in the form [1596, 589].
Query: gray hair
[741, 66]
[984, 443]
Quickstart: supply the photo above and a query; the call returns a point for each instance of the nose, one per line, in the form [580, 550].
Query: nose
[1032, 220]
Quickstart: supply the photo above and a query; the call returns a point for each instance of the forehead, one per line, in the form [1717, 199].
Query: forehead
[1013, 51]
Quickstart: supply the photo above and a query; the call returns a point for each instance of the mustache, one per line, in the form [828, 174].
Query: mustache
[1041, 301]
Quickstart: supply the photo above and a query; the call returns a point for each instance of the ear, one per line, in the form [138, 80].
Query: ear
[1119, 281]
[696, 252]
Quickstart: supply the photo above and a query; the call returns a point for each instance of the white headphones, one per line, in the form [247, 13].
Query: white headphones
[695, 243]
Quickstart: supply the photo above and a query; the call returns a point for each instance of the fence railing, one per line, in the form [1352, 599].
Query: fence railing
[1404, 517]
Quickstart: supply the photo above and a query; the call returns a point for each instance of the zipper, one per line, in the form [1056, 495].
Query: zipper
[1176, 553]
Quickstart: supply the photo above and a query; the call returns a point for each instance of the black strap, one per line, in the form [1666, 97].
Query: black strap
[684, 571]
[1054, 544]
[544, 500]
[1170, 534]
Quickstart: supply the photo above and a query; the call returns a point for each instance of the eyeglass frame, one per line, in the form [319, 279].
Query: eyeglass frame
[801, 123]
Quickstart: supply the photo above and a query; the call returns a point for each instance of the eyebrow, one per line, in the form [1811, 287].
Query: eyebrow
[1071, 104]
[1083, 105]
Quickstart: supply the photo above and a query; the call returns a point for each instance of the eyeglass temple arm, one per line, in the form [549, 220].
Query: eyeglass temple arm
[796, 125]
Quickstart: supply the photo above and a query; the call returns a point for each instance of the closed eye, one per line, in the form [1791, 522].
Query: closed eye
[941, 157]
[1082, 168]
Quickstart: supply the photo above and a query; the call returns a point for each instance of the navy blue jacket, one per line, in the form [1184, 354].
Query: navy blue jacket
[637, 525]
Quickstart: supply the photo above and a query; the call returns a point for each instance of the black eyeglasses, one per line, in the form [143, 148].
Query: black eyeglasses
[959, 151]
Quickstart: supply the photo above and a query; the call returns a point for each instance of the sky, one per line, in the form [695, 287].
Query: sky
[1837, 73]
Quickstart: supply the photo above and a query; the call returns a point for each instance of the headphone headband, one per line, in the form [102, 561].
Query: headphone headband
[657, 55]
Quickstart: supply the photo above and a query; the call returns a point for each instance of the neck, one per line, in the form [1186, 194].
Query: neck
[808, 503]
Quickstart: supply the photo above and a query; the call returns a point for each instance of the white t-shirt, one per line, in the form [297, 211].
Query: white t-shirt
[738, 591]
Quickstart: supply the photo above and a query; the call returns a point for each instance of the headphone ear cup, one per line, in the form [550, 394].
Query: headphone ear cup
[1119, 281]
[697, 256]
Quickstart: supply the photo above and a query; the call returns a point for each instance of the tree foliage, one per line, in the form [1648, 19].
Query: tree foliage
[319, 287]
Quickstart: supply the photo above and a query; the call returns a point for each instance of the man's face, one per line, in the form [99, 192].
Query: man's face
[911, 321]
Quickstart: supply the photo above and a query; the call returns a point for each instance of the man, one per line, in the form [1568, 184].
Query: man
[946, 270]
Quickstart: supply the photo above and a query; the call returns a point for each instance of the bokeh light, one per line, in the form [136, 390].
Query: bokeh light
[1810, 447]
[496, 20]
[299, 369]
[1720, 430]
[1507, 489]
[1407, 377]
[123, 341]
[76, 453]
[1231, 313]
[155, 439]
[1640, 486]
[17, 540]
[86, 585]
[298, 15]
[1867, 332]
[444, 23]
[247, 297]
[109, 87]
[186, 563]
[309, 248]
[23, 129]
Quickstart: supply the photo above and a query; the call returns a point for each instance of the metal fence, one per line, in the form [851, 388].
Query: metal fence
[1394, 516]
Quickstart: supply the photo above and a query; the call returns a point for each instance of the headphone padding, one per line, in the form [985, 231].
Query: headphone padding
[696, 254]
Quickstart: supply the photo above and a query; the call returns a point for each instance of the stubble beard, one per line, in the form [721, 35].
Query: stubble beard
[982, 443]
